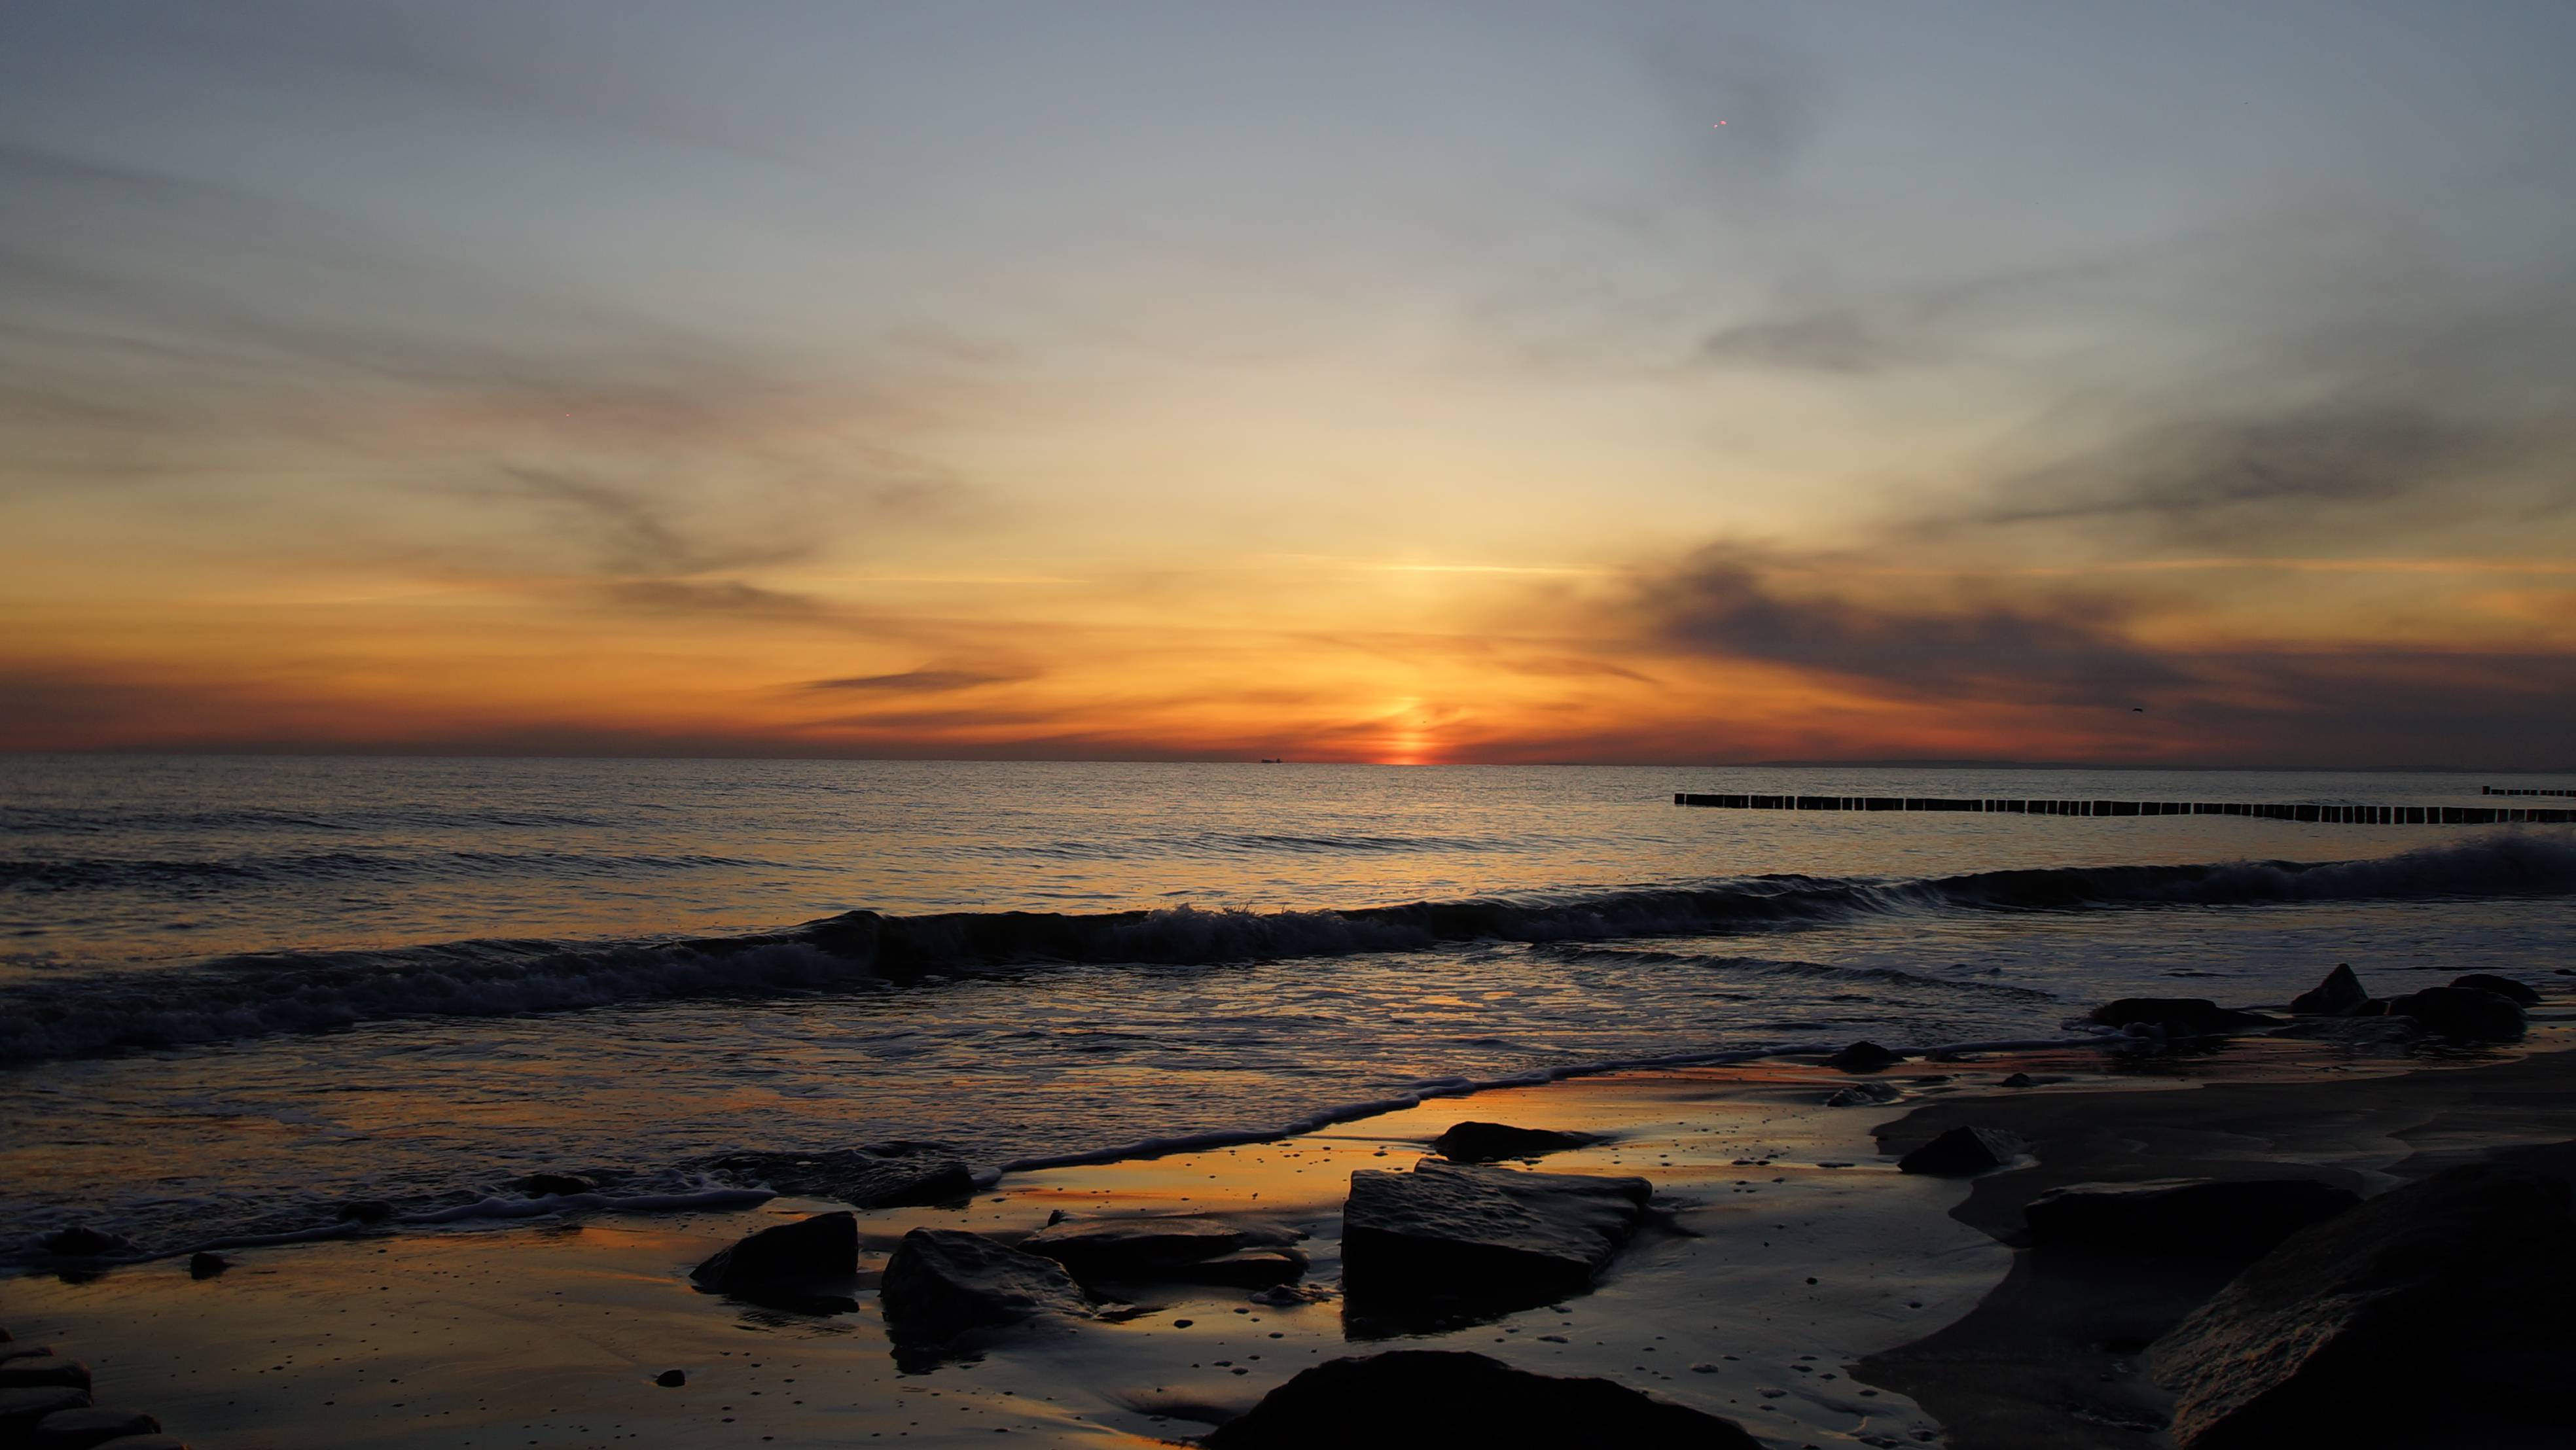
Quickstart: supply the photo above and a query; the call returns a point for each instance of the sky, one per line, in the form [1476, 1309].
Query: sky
[2174, 384]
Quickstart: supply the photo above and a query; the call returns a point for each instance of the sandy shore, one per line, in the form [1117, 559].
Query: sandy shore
[1795, 1282]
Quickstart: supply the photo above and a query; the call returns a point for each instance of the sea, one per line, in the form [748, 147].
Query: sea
[237, 994]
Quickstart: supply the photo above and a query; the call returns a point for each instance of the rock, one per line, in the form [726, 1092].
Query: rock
[2459, 1282]
[23, 1408]
[366, 1210]
[41, 1371]
[822, 1251]
[1864, 1094]
[2241, 1219]
[2464, 1014]
[2340, 993]
[82, 1428]
[1961, 1152]
[553, 1185]
[2181, 1016]
[2505, 987]
[80, 1241]
[1491, 1142]
[24, 1351]
[1864, 1057]
[671, 1379]
[149, 1442]
[1413, 1398]
[943, 1283]
[203, 1265]
[1503, 1235]
[2017, 1080]
[1169, 1247]
[911, 1174]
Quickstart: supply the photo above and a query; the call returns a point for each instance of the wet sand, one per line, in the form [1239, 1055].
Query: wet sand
[1788, 1274]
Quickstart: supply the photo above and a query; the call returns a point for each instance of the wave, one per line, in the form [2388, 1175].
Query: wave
[86, 873]
[250, 996]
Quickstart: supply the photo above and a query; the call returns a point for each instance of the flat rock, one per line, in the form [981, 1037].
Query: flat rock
[24, 1351]
[2341, 992]
[942, 1283]
[2239, 1218]
[1962, 1152]
[2459, 1282]
[1414, 1399]
[2463, 1014]
[2505, 987]
[1449, 1230]
[22, 1408]
[1165, 1246]
[1864, 1057]
[817, 1252]
[1491, 1142]
[1864, 1094]
[913, 1175]
[2181, 1016]
[82, 1428]
[43, 1371]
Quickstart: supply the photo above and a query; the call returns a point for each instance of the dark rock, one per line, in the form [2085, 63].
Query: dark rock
[1176, 1246]
[206, 1266]
[1504, 1235]
[24, 1351]
[22, 1409]
[2241, 1219]
[41, 1371]
[2505, 987]
[1864, 1094]
[2181, 1016]
[552, 1185]
[150, 1442]
[2019, 1079]
[910, 1175]
[1492, 1142]
[811, 1253]
[2340, 993]
[2461, 1013]
[2461, 1281]
[1413, 1398]
[80, 1241]
[671, 1379]
[1250, 1269]
[943, 1283]
[82, 1428]
[1961, 1152]
[366, 1210]
[1864, 1057]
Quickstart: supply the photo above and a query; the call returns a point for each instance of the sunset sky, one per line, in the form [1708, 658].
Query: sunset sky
[2173, 383]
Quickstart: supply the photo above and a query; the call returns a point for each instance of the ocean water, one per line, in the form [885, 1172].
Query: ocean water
[235, 993]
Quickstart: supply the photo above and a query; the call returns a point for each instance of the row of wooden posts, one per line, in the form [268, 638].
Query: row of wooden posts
[2355, 815]
[2494, 790]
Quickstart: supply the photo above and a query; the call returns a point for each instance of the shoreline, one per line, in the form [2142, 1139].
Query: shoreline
[555, 1331]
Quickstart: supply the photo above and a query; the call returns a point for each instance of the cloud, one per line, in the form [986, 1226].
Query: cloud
[919, 682]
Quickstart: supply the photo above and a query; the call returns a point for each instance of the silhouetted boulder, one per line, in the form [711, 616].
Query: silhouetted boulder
[1414, 1399]
[2018, 1080]
[791, 1258]
[942, 1283]
[1492, 1142]
[82, 1428]
[2241, 1218]
[671, 1379]
[2433, 1314]
[553, 1185]
[1448, 1231]
[1962, 1152]
[2179, 1016]
[1864, 1057]
[366, 1210]
[1174, 1247]
[202, 1265]
[2505, 987]
[43, 1371]
[911, 1175]
[23, 1408]
[80, 1241]
[2341, 993]
[2463, 1014]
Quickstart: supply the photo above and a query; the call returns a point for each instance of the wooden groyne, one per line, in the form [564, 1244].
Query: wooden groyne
[2498, 790]
[2345, 815]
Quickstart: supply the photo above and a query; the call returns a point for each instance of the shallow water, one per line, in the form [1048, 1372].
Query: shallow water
[462, 970]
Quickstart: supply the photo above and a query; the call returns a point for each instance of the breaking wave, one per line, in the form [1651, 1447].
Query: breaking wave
[250, 996]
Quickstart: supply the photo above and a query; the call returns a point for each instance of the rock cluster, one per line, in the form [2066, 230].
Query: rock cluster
[2475, 1008]
[45, 1405]
[1408, 1399]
